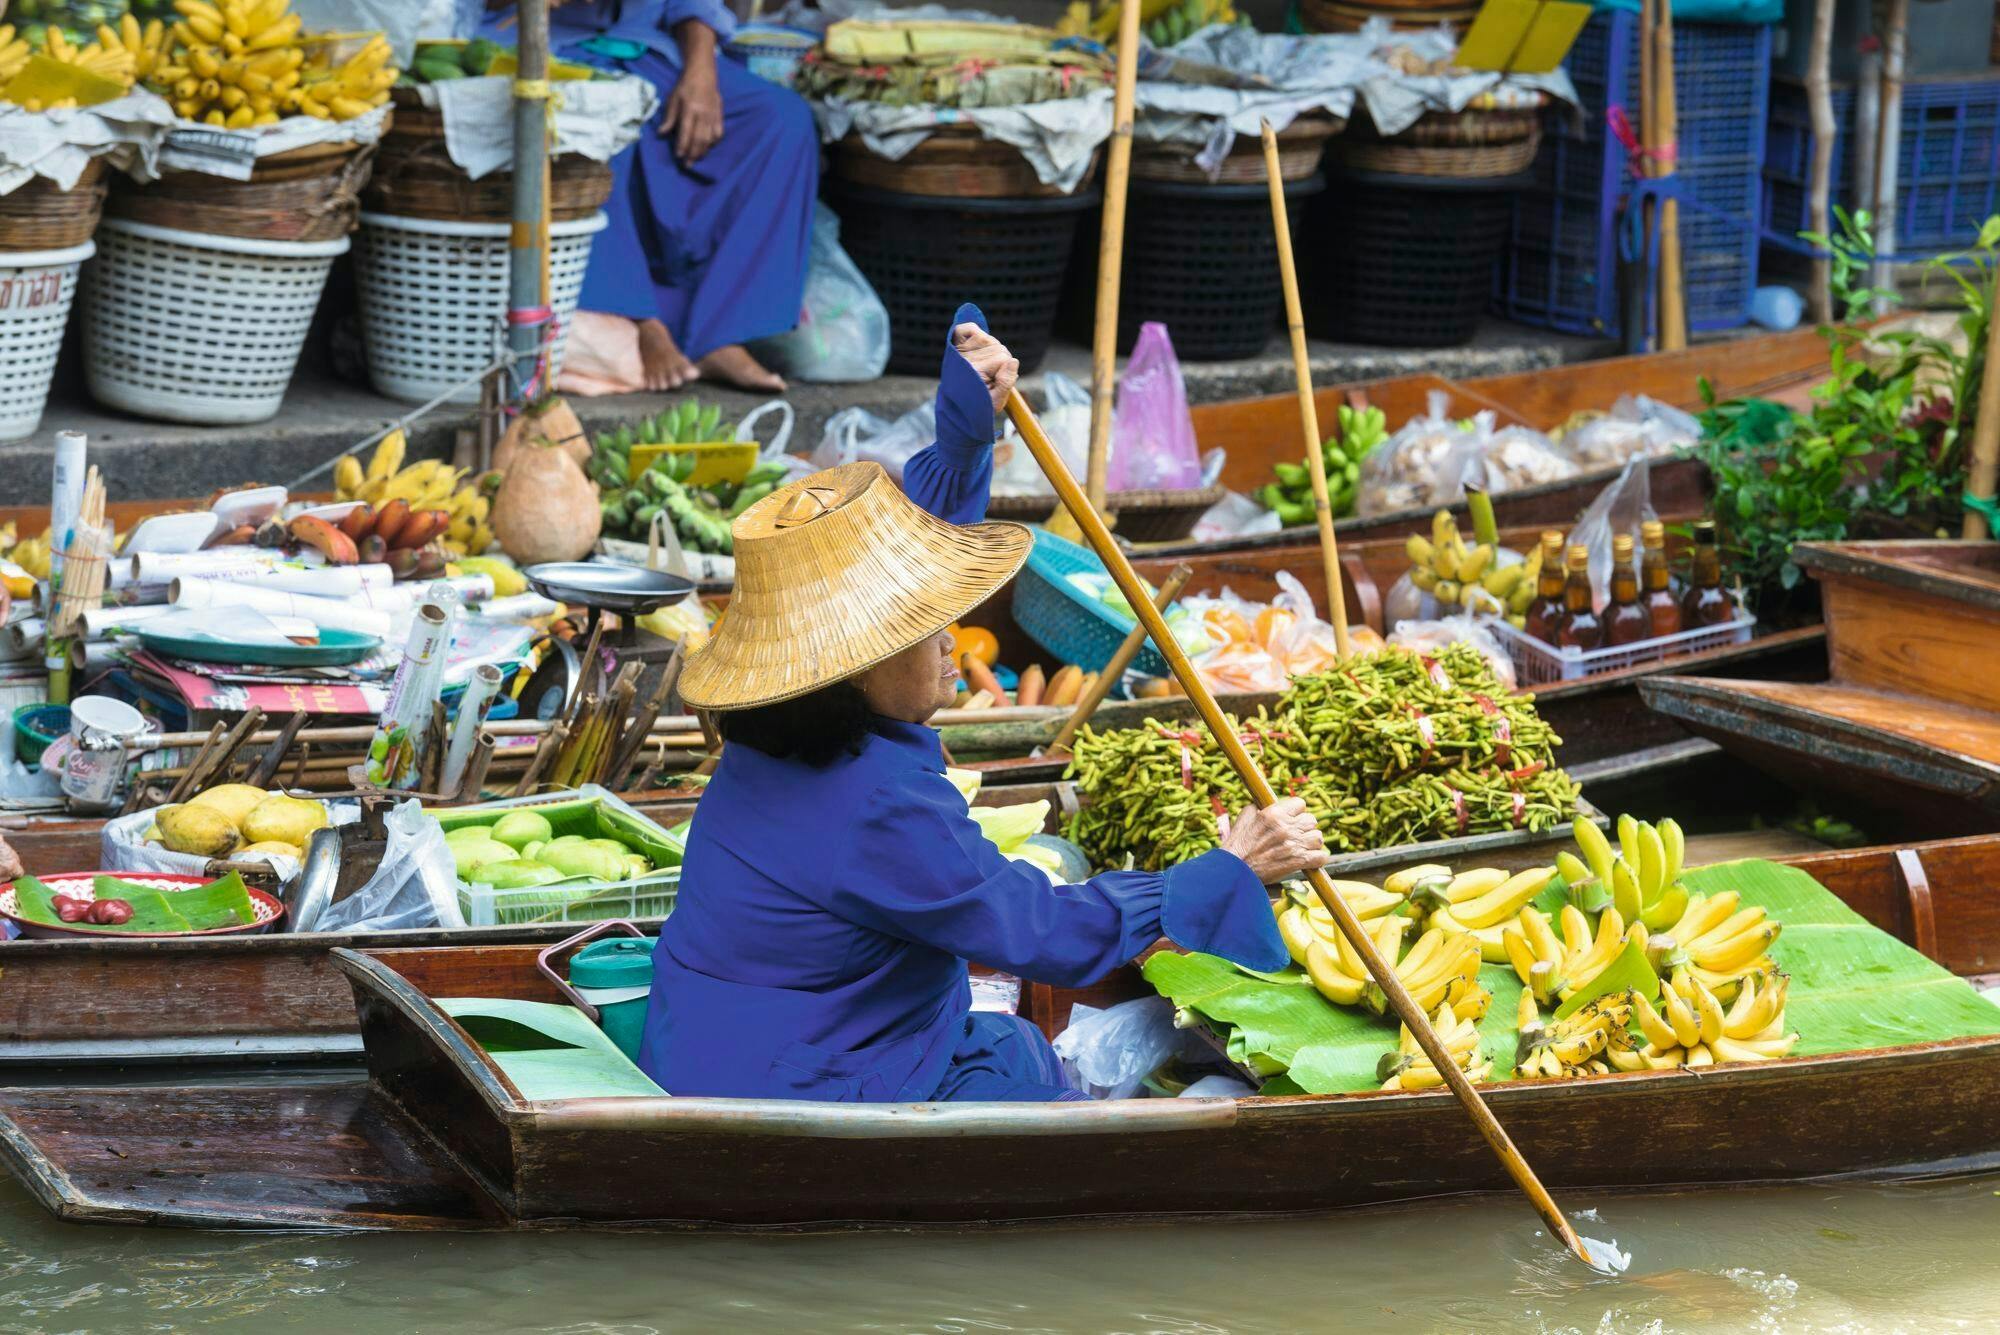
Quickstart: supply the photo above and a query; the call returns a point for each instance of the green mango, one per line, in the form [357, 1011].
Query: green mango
[479, 55]
[471, 856]
[518, 874]
[583, 859]
[518, 829]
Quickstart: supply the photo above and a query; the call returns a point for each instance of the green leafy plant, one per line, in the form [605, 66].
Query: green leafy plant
[1881, 447]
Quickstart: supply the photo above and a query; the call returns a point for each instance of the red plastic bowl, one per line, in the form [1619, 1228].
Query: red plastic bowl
[79, 884]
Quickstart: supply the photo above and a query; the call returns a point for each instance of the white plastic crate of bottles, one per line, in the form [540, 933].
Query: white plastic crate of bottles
[1538, 663]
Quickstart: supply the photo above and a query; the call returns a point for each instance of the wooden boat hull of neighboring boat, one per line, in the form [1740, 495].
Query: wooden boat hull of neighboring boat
[439, 1140]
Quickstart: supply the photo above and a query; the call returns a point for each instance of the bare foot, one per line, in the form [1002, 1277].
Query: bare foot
[665, 365]
[735, 366]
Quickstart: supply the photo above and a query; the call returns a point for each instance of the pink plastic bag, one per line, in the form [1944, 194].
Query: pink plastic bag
[1152, 436]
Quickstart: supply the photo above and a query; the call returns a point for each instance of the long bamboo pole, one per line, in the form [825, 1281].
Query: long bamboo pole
[1111, 254]
[1819, 99]
[1673, 288]
[1261, 793]
[1329, 547]
[1985, 469]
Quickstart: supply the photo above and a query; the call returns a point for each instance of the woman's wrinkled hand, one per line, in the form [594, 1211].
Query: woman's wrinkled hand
[1278, 842]
[998, 367]
[694, 114]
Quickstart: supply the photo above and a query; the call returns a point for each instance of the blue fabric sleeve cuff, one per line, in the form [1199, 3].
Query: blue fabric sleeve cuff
[964, 407]
[1215, 904]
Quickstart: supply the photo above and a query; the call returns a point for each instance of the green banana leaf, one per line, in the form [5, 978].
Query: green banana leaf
[548, 1051]
[1854, 988]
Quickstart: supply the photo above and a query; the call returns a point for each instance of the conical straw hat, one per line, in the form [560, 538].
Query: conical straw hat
[835, 573]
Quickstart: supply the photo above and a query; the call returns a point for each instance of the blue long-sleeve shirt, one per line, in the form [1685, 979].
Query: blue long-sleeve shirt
[818, 947]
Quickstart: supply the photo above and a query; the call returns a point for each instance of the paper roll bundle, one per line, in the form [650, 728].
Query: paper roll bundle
[472, 707]
[396, 751]
[101, 621]
[217, 563]
[327, 613]
[65, 496]
[322, 582]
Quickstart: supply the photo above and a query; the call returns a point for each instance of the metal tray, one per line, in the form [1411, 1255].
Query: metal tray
[614, 588]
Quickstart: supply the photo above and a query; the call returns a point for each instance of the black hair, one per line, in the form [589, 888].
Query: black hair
[816, 728]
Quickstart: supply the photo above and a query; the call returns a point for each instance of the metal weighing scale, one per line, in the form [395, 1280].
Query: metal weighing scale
[628, 591]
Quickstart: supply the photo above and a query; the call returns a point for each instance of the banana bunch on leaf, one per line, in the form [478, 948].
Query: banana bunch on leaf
[1691, 1028]
[1291, 496]
[1410, 1068]
[1480, 902]
[1594, 1039]
[1473, 578]
[1641, 878]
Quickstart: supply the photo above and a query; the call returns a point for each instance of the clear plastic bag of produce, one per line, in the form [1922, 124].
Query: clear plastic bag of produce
[1509, 459]
[1424, 463]
[1262, 646]
[1109, 1053]
[413, 886]
[855, 433]
[1636, 425]
[123, 845]
[1152, 433]
[1429, 636]
[1066, 417]
[1624, 505]
[1235, 516]
[843, 330]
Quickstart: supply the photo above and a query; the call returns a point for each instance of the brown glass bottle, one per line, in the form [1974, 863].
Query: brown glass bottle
[1625, 620]
[1662, 601]
[1706, 603]
[1581, 627]
[1545, 614]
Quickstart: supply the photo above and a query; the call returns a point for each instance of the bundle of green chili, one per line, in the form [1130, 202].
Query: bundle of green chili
[1392, 749]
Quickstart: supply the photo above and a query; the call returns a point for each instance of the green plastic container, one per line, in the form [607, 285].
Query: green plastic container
[616, 976]
[36, 728]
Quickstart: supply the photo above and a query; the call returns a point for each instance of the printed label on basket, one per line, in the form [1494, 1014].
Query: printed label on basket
[218, 152]
[27, 289]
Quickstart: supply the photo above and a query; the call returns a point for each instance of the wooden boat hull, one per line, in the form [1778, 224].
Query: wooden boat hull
[354, 1156]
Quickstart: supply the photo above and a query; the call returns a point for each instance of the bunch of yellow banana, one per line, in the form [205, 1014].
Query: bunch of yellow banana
[352, 88]
[1472, 577]
[1480, 903]
[231, 62]
[1717, 942]
[14, 53]
[146, 46]
[108, 62]
[1591, 1040]
[1409, 1068]
[29, 555]
[1302, 919]
[1334, 966]
[1557, 967]
[1441, 967]
[427, 484]
[1642, 876]
[1692, 1029]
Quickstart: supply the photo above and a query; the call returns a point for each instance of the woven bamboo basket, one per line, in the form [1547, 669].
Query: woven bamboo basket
[415, 177]
[38, 216]
[956, 162]
[1301, 145]
[1335, 16]
[1470, 144]
[306, 194]
[1143, 516]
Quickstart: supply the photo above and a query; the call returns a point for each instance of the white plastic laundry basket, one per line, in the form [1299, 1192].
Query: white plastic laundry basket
[36, 289]
[434, 298]
[190, 327]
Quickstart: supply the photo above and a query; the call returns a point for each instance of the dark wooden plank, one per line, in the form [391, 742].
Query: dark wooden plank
[266, 1156]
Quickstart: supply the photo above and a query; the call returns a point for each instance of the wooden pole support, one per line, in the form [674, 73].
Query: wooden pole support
[1224, 732]
[1329, 548]
[1177, 579]
[1985, 469]
[1111, 254]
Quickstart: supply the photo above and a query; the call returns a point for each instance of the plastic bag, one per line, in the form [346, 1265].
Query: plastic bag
[843, 330]
[1636, 425]
[1622, 507]
[122, 845]
[413, 886]
[1509, 459]
[1262, 646]
[1234, 516]
[1152, 434]
[1109, 1053]
[772, 451]
[1424, 463]
[1066, 417]
[856, 433]
[1427, 637]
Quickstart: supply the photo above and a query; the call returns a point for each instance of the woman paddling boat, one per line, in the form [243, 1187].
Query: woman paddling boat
[834, 885]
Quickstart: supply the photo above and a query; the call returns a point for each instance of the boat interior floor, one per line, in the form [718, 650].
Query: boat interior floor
[1971, 733]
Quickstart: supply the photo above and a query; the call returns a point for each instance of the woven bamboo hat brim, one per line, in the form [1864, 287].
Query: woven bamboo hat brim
[834, 574]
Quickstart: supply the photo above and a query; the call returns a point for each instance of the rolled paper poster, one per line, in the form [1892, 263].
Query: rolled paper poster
[472, 707]
[395, 752]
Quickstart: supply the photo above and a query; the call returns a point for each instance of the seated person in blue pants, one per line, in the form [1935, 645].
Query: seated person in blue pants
[711, 216]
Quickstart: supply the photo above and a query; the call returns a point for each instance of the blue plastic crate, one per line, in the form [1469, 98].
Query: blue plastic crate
[1561, 265]
[1075, 628]
[1948, 162]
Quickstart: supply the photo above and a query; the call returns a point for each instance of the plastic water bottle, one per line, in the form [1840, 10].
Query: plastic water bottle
[1777, 307]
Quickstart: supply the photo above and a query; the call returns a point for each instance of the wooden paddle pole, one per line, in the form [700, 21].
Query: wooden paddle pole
[1985, 468]
[1329, 548]
[1121, 659]
[1111, 254]
[1261, 793]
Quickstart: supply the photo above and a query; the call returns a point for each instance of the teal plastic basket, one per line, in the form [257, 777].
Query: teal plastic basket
[1074, 628]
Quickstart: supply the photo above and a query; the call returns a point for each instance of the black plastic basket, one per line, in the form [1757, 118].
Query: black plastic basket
[924, 255]
[1201, 259]
[1405, 261]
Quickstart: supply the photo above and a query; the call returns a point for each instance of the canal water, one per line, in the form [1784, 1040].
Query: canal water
[1915, 1257]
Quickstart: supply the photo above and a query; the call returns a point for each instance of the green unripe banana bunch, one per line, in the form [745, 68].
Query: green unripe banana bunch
[1291, 496]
